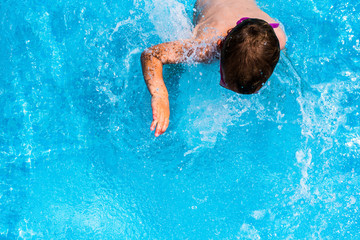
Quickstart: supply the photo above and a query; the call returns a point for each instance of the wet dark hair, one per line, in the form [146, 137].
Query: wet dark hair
[249, 55]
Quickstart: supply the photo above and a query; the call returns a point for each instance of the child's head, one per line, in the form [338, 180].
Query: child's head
[249, 55]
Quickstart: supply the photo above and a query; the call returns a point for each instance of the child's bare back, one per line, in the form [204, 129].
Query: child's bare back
[212, 19]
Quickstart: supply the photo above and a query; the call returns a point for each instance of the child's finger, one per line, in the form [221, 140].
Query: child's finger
[155, 120]
[153, 125]
[157, 132]
[159, 126]
[165, 126]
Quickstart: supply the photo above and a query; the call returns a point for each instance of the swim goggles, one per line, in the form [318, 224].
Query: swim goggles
[222, 82]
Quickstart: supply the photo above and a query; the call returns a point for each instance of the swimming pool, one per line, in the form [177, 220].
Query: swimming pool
[78, 160]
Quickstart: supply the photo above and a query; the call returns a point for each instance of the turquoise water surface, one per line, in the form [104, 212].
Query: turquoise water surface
[78, 161]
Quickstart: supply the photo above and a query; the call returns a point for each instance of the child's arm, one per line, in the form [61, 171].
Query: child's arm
[153, 59]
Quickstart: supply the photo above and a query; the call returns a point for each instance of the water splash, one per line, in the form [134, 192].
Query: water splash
[169, 19]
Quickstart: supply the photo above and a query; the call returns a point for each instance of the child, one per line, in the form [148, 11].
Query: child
[246, 39]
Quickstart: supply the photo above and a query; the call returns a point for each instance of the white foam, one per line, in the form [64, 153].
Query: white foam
[353, 142]
[258, 214]
[304, 160]
[248, 231]
[170, 20]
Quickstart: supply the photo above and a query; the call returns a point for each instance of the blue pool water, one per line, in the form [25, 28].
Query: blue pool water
[77, 159]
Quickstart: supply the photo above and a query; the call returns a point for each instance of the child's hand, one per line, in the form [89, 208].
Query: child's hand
[161, 113]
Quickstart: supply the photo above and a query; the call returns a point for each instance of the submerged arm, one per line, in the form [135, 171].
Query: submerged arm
[152, 61]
